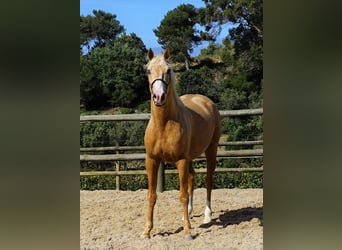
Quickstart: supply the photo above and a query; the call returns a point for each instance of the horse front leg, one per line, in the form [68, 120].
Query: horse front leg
[191, 184]
[152, 174]
[183, 170]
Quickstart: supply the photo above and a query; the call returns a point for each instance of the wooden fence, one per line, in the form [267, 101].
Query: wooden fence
[117, 157]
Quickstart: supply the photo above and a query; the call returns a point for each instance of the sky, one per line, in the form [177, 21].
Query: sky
[137, 16]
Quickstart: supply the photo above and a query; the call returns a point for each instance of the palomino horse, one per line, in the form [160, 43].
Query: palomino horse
[179, 130]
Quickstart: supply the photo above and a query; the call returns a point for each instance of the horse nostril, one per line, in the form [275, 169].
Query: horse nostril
[159, 99]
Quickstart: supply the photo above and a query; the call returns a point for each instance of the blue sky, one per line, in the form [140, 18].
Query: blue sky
[138, 16]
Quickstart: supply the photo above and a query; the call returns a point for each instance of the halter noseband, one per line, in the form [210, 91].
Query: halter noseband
[159, 79]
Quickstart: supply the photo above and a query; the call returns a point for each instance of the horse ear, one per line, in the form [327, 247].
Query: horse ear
[167, 54]
[150, 54]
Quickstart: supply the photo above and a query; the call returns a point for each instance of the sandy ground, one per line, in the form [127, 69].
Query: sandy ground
[115, 220]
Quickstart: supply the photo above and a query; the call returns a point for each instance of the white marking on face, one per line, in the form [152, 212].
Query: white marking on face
[159, 92]
[158, 87]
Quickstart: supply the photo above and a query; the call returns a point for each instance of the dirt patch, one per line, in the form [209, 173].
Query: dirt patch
[115, 220]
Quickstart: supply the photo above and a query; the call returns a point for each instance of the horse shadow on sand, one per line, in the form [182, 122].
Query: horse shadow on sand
[235, 217]
[227, 218]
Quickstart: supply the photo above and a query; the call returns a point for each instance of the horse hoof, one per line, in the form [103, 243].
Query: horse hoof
[188, 237]
[145, 236]
[206, 220]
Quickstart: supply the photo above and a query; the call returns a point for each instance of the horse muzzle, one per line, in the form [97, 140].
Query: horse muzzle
[159, 100]
[159, 91]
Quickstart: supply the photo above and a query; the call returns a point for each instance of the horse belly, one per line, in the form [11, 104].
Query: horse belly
[200, 142]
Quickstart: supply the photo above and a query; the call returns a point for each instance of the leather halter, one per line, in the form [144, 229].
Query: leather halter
[159, 79]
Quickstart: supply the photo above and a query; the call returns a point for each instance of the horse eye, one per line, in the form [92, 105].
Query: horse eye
[148, 71]
[168, 71]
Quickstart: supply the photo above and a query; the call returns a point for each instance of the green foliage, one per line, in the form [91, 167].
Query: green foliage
[211, 50]
[101, 134]
[98, 30]
[238, 180]
[144, 107]
[136, 182]
[111, 66]
[219, 52]
[247, 34]
[120, 69]
[177, 31]
[131, 182]
[91, 92]
[241, 94]
[97, 182]
[199, 81]
[227, 52]
[243, 128]
[114, 75]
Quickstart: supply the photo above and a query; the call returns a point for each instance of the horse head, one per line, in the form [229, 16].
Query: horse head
[160, 76]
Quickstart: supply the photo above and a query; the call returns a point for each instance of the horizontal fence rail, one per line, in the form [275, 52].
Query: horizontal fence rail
[167, 171]
[138, 148]
[142, 156]
[118, 156]
[113, 148]
[145, 117]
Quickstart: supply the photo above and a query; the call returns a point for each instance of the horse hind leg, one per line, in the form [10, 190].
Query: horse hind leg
[210, 154]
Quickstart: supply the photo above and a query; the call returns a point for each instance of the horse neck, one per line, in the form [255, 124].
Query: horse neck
[169, 111]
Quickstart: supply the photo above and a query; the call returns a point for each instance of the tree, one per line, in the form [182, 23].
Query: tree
[242, 53]
[199, 82]
[247, 35]
[91, 92]
[118, 70]
[98, 30]
[248, 13]
[177, 32]
[111, 63]
[242, 49]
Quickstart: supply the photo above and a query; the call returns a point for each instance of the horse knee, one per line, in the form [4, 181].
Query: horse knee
[184, 197]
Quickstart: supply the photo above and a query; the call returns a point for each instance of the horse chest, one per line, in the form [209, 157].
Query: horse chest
[171, 148]
[169, 144]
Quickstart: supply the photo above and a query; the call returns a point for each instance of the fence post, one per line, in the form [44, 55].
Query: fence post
[117, 178]
[161, 178]
[117, 168]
